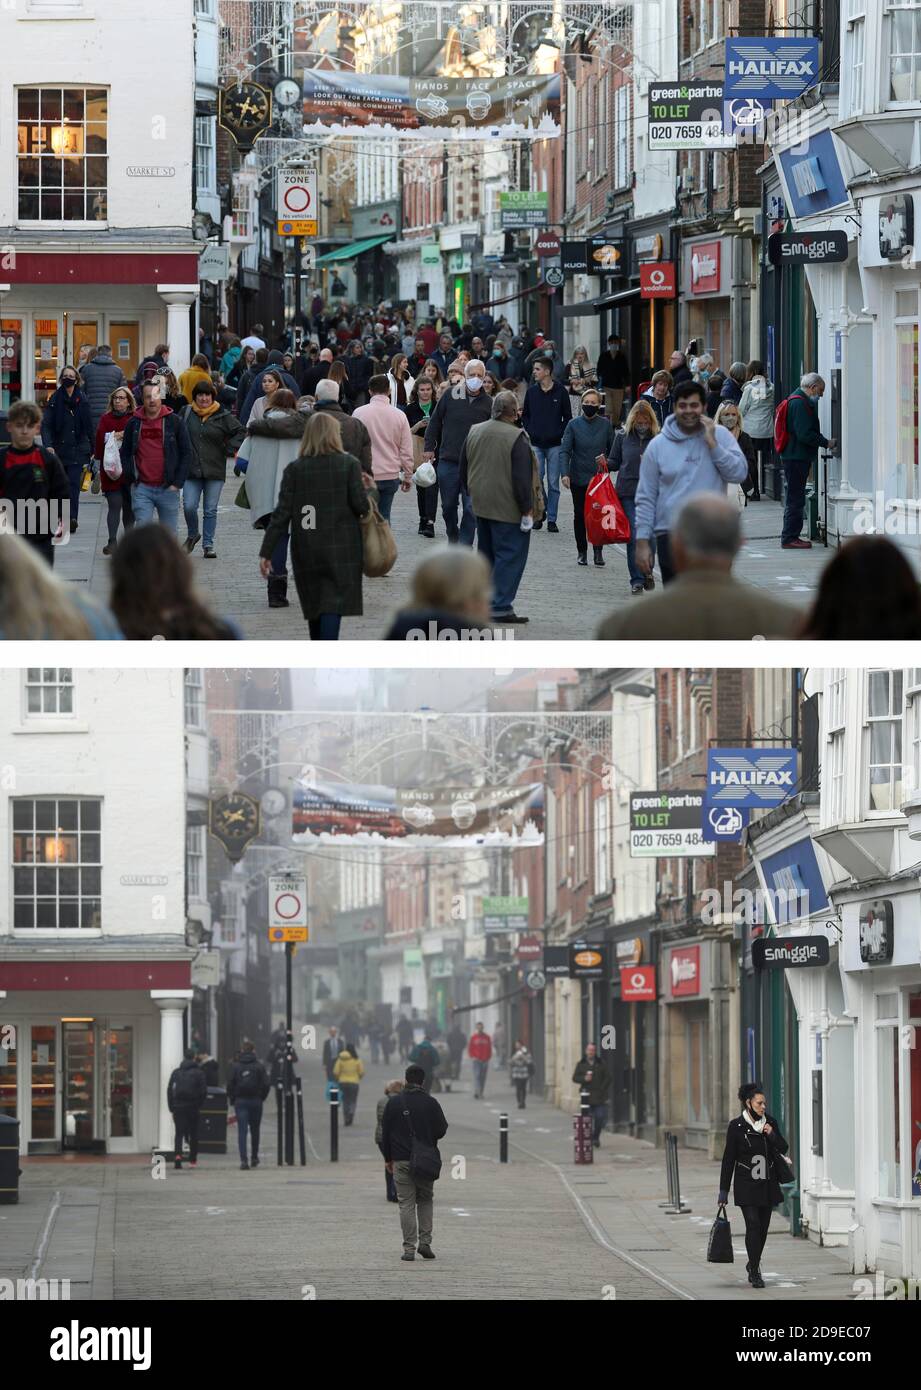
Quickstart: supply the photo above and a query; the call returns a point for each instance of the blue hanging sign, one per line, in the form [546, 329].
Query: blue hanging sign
[724, 824]
[750, 776]
[770, 69]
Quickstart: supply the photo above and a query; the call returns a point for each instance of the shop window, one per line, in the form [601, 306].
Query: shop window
[622, 169]
[10, 362]
[43, 1085]
[62, 144]
[854, 46]
[57, 864]
[119, 1062]
[912, 1039]
[8, 1062]
[884, 731]
[49, 690]
[905, 51]
[195, 861]
[835, 733]
[887, 1080]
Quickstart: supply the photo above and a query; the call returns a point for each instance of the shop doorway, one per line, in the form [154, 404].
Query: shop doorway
[10, 362]
[47, 359]
[124, 339]
[80, 1086]
[82, 334]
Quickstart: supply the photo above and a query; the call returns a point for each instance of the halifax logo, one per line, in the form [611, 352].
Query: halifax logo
[743, 777]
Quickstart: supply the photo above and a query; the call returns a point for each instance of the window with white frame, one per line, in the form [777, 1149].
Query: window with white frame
[57, 863]
[622, 136]
[204, 8]
[194, 698]
[835, 759]
[602, 808]
[884, 738]
[205, 157]
[551, 835]
[195, 862]
[854, 50]
[62, 154]
[905, 50]
[888, 1106]
[906, 362]
[602, 127]
[913, 731]
[582, 833]
[49, 690]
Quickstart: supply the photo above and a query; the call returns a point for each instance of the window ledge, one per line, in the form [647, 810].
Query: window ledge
[53, 726]
[56, 13]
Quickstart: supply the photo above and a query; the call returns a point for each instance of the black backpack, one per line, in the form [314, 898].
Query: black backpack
[250, 1081]
[187, 1089]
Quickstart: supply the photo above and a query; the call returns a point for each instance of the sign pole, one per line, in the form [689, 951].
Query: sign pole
[289, 1061]
[298, 252]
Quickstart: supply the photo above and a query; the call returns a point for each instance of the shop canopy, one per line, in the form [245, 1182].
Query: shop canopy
[598, 306]
[348, 253]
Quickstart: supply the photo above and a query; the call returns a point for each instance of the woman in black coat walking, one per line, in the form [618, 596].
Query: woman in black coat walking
[67, 428]
[753, 1163]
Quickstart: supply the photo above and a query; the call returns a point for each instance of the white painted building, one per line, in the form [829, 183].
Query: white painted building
[96, 186]
[95, 973]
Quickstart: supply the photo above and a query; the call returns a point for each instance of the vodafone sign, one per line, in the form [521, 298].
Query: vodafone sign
[638, 982]
[658, 281]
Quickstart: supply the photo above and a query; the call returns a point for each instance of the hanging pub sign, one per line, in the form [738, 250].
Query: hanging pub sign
[245, 111]
[687, 116]
[234, 819]
[876, 932]
[783, 953]
[807, 248]
[773, 69]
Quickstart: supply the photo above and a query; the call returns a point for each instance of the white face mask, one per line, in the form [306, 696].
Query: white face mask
[474, 383]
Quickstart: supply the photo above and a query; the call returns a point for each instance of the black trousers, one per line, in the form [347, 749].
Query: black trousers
[664, 556]
[185, 1118]
[522, 1089]
[757, 1220]
[427, 500]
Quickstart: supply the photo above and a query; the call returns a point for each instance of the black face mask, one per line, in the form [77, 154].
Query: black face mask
[590, 410]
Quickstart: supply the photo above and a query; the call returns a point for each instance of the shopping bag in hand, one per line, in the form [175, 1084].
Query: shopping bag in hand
[719, 1249]
[605, 519]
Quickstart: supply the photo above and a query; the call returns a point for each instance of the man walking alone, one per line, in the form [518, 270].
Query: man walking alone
[480, 1050]
[413, 1120]
[185, 1096]
[495, 468]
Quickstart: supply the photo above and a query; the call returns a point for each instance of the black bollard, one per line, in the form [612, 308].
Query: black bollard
[300, 1122]
[280, 1110]
[334, 1124]
[503, 1138]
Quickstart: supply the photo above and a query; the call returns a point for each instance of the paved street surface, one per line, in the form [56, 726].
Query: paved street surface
[561, 600]
[537, 1228]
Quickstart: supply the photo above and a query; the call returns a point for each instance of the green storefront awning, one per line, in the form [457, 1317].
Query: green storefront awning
[346, 253]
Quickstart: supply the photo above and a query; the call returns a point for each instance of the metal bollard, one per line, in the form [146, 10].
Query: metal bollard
[300, 1122]
[334, 1124]
[675, 1205]
[503, 1138]
[280, 1103]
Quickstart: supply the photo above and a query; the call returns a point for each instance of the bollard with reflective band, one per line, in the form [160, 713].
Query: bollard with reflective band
[280, 1101]
[334, 1124]
[300, 1121]
[503, 1138]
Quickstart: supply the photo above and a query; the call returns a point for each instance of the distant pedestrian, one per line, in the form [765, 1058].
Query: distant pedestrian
[578, 377]
[678, 367]
[592, 1075]
[391, 442]
[388, 1044]
[67, 428]
[546, 413]
[426, 1055]
[658, 396]
[522, 1069]
[459, 408]
[496, 470]
[198, 370]
[185, 1095]
[624, 459]
[614, 377]
[457, 1041]
[728, 416]
[405, 1036]
[213, 434]
[753, 1163]
[757, 411]
[101, 377]
[868, 592]
[117, 491]
[247, 1088]
[209, 1066]
[332, 1046]
[411, 1127]
[479, 1050]
[713, 388]
[254, 339]
[393, 1088]
[732, 386]
[348, 1070]
[800, 455]
[587, 441]
[498, 1043]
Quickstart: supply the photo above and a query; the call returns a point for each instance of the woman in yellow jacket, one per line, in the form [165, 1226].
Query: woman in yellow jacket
[348, 1072]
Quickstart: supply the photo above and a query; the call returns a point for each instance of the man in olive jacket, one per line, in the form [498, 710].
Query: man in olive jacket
[496, 469]
[593, 1075]
[803, 444]
[355, 438]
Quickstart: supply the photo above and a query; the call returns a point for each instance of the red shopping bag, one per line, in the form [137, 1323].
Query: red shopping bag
[605, 519]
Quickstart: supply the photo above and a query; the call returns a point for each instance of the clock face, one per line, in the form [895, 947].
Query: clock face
[273, 802]
[246, 106]
[287, 91]
[237, 816]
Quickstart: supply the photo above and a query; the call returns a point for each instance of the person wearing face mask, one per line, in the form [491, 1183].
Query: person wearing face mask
[624, 459]
[67, 428]
[587, 441]
[753, 1162]
[462, 406]
[497, 364]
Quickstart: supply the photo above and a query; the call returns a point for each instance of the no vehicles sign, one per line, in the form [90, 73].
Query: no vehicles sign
[287, 909]
[296, 201]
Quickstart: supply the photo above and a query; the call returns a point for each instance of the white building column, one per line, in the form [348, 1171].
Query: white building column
[172, 1004]
[177, 299]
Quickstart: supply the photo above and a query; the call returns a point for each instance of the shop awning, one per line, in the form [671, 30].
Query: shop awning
[348, 253]
[598, 306]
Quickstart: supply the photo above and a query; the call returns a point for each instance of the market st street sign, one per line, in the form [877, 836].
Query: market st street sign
[770, 68]
[807, 248]
[775, 953]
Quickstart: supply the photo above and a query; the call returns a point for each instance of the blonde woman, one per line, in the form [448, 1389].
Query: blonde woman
[626, 454]
[580, 375]
[323, 482]
[35, 606]
[730, 416]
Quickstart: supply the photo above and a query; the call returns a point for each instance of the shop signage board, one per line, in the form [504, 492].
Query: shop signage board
[687, 116]
[214, 262]
[724, 824]
[770, 69]
[430, 253]
[547, 244]
[750, 776]
[535, 979]
[587, 961]
[684, 971]
[556, 962]
[554, 277]
[666, 825]
[629, 951]
[705, 267]
[288, 934]
[785, 953]
[658, 281]
[877, 935]
[807, 248]
[604, 256]
[638, 982]
[522, 208]
[530, 948]
[505, 914]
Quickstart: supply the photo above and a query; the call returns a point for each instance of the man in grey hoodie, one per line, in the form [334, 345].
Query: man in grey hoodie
[692, 454]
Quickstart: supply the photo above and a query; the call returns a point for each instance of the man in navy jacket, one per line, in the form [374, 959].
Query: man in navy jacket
[546, 414]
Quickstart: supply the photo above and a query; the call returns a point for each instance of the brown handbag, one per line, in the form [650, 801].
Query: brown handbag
[379, 549]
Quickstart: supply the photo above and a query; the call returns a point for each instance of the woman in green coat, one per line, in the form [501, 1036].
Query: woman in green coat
[214, 433]
[322, 497]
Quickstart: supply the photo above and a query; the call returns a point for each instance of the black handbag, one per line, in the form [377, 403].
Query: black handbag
[424, 1159]
[719, 1248]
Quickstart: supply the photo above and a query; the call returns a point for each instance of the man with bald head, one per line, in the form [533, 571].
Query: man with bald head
[319, 373]
[705, 600]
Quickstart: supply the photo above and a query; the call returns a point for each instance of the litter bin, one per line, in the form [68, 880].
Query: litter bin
[9, 1160]
[212, 1122]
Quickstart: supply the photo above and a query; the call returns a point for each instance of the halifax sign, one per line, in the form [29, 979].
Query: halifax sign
[743, 777]
[770, 69]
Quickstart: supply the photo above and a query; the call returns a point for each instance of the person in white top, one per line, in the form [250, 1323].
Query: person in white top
[254, 340]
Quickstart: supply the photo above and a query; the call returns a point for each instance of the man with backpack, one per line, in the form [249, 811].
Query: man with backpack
[797, 439]
[247, 1088]
[185, 1096]
[33, 481]
[411, 1125]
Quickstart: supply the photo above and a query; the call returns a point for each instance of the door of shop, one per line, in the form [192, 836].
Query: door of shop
[79, 1086]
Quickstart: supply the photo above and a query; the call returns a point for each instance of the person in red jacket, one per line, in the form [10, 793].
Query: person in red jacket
[117, 491]
[480, 1050]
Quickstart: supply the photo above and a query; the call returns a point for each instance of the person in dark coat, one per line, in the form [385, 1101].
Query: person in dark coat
[659, 396]
[587, 441]
[117, 491]
[642, 424]
[592, 1075]
[426, 1055]
[714, 389]
[67, 428]
[412, 1114]
[804, 440]
[213, 434]
[256, 389]
[360, 368]
[753, 1162]
[678, 368]
[355, 437]
[101, 377]
[332, 1046]
[247, 1088]
[731, 390]
[185, 1095]
[327, 559]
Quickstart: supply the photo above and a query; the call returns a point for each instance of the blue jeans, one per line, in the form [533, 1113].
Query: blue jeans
[795, 473]
[74, 473]
[191, 496]
[479, 1076]
[549, 464]
[325, 628]
[599, 1120]
[249, 1118]
[505, 546]
[629, 506]
[155, 504]
[387, 489]
[450, 489]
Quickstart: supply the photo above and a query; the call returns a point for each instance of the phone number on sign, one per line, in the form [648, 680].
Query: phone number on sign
[664, 839]
[661, 133]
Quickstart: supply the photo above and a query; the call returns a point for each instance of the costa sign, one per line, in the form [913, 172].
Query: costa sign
[547, 244]
[658, 281]
[638, 982]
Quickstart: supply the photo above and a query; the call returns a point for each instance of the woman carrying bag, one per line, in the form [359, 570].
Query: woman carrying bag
[418, 412]
[753, 1162]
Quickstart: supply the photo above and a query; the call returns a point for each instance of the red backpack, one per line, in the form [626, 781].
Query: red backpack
[781, 433]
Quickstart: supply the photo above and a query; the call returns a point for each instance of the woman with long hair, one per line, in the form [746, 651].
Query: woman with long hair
[399, 378]
[626, 454]
[868, 592]
[728, 415]
[326, 483]
[242, 375]
[579, 376]
[433, 372]
[153, 594]
[117, 491]
[418, 412]
[35, 606]
[754, 1165]
[757, 411]
[338, 374]
[272, 381]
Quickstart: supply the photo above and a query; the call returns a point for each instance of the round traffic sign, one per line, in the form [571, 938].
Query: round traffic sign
[554, 277]
[287, 906]
[296, 200]
[535, 979]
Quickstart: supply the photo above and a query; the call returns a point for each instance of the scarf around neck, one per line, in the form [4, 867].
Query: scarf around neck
[204, 414]
[757, 1125]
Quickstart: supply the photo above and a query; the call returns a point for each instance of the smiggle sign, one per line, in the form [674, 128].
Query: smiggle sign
[750, 776]
[770, 68]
